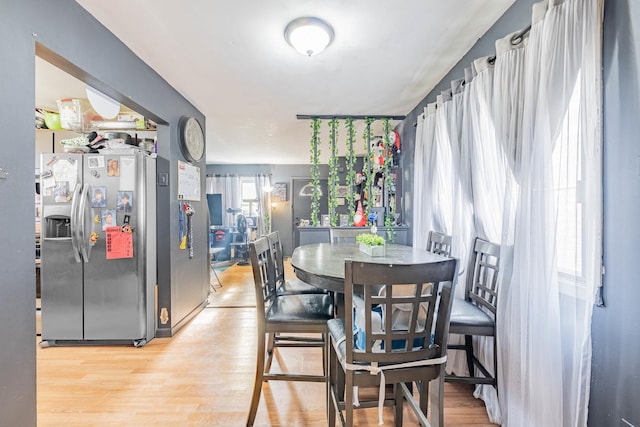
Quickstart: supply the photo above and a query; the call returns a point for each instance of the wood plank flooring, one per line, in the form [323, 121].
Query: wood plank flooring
[203, 376]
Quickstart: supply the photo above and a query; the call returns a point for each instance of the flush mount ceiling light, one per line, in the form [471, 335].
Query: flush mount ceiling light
[308, 35]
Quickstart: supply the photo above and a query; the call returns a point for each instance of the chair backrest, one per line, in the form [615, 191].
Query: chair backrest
[263, 271]
[346, 235]
[278, 257]
[421, 292]
[482, 284]
[439, 243]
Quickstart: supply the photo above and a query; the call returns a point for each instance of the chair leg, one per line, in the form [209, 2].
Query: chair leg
[423, 388]
[270, 346]
[399, 405]
[325, 356]
[331, 386]
[437, 400]
[257, 385]
[468, 343]
[348, 400]
[341, 378]
[495, 362]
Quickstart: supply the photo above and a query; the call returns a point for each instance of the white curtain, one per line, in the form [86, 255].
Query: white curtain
[443, 168]
[229, 187]
[463, 217]
[264, 204]
[423, 177]
[556, 221]
[528, 171]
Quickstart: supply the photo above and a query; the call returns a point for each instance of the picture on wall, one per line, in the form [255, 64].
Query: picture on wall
[343, 191]
[280, 192]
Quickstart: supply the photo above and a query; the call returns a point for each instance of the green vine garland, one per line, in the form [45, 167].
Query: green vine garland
[315, 172]
[367, 167]
[267, 223]
[350, 167]
[389, 181]
[333, 181]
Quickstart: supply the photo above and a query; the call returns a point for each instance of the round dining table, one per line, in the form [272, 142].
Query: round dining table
[322, 264]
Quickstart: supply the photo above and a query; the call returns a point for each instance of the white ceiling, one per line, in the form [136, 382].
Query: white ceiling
[230, 60]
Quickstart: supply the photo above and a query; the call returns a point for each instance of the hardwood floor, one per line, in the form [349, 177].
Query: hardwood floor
[203, 376]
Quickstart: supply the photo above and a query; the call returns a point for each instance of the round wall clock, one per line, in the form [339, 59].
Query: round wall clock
[191, 139]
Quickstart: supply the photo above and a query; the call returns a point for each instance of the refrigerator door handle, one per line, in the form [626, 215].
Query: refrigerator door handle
[75, 223]
[82, 216]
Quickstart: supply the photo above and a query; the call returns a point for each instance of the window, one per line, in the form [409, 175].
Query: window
[572, 204]
[250, 203]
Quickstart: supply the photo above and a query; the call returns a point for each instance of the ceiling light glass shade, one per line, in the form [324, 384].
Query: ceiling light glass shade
[308, 35]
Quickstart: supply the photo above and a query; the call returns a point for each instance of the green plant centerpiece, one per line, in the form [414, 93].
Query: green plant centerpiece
[371, 244]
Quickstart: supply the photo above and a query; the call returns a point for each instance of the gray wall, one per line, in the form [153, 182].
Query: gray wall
[615, 377]
[74, 41]
[281, 216]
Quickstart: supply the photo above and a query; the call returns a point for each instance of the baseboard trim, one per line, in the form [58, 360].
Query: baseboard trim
[169, 332]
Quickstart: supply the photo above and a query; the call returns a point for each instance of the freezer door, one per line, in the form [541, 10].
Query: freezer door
[60, 270]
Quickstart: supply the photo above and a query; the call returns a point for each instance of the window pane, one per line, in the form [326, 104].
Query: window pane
[567, 181]
[249, 190]
[249, 208]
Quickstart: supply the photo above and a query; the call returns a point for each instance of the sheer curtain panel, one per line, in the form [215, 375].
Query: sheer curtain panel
[514, 156]
[264, 204]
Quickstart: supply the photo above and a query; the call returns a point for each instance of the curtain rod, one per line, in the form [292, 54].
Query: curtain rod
[515, 41]
[342, 116]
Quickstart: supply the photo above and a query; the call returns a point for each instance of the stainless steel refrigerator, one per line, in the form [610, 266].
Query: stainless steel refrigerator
[98, 248]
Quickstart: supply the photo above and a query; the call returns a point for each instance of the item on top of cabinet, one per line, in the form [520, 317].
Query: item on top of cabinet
[125, 137]
[79, 144]
[147, 144]
[359, 220]
[102, 104]
[51, 119]
[75, 114]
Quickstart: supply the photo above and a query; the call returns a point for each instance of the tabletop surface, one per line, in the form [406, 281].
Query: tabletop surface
[322, 264]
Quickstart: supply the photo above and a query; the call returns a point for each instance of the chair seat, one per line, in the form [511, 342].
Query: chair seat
[302, 308]
[337, 334]
[467, 318]
[297, 286]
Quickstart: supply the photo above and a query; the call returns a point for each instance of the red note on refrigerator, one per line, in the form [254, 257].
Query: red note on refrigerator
[119, 243]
